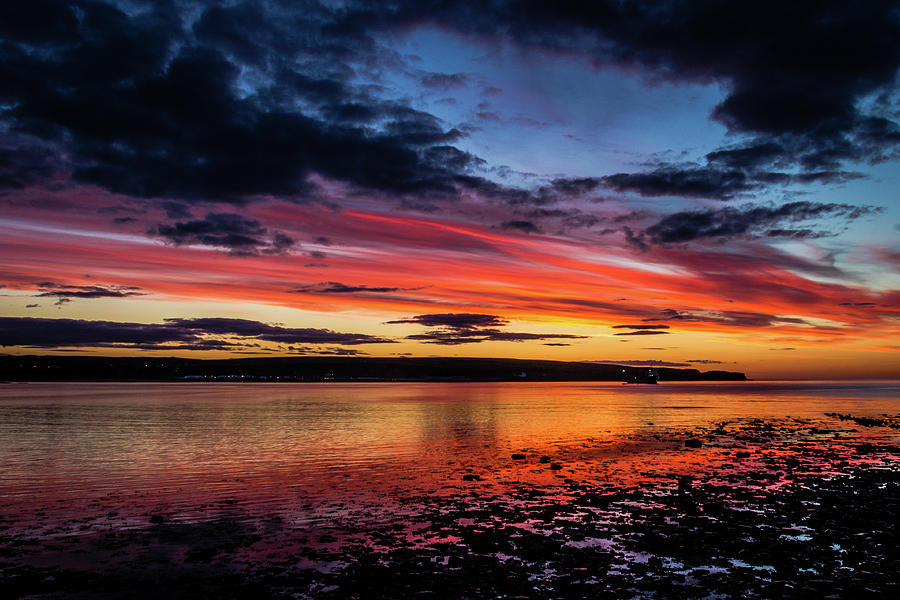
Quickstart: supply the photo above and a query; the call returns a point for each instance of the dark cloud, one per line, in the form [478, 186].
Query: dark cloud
[640, 326]
[826, 177]
[55, 290]
[144, 105]
[523, 226]
[553, 192]
[717, 181]
[336, 351]
[333, 287]
[454, 320]
[37, 21]
[673, 181]
[750, 155]
[238, 235]
[644, 332]
[573, 186]
[176, 210]
[797, 234]
[577, 221]
[279, 244]
[451, 158]
[450, 329]
[26, 165]
[453, 337]
[49, 333]
[272, 333]
[760, 159]
[199, 345]
[731, 222]
[202, 333]
[544, 213]
[341, 352]
[638, 240]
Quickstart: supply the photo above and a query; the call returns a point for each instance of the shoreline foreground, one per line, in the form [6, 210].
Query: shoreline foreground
[750, 508]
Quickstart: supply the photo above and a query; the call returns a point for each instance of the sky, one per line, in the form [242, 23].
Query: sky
[694, 184]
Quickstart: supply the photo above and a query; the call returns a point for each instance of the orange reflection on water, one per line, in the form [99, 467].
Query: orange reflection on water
[87, 455]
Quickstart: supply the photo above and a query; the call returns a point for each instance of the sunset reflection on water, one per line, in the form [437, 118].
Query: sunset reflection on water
[115, 452]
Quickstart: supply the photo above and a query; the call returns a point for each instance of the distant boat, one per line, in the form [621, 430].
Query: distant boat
[641, 376]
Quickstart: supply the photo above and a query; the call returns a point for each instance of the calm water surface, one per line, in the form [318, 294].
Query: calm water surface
[128, 447]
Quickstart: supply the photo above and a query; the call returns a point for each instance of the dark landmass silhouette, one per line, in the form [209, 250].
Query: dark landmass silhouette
[316, 368]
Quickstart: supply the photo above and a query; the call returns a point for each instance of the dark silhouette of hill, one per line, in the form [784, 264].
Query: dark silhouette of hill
[98, 368]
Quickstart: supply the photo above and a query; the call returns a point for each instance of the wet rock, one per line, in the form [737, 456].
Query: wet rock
[157, 519]
[471, 477]
[544, 459]
[592, 500]
[694, 443]
[518, 456]
[891, 422]
[555, 466]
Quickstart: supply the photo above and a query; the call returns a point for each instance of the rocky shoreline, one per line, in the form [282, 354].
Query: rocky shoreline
[750, 508]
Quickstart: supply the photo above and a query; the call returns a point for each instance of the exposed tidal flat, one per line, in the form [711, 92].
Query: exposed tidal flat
[450, 490]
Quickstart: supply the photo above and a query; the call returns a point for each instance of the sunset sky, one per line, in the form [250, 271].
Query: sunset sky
[699, 184]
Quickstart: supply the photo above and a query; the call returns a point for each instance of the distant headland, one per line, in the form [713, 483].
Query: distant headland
[317, 368]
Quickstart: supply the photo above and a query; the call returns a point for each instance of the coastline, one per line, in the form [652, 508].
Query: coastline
[302, 369]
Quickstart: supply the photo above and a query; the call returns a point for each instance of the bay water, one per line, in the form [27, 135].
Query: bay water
[72, 454]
